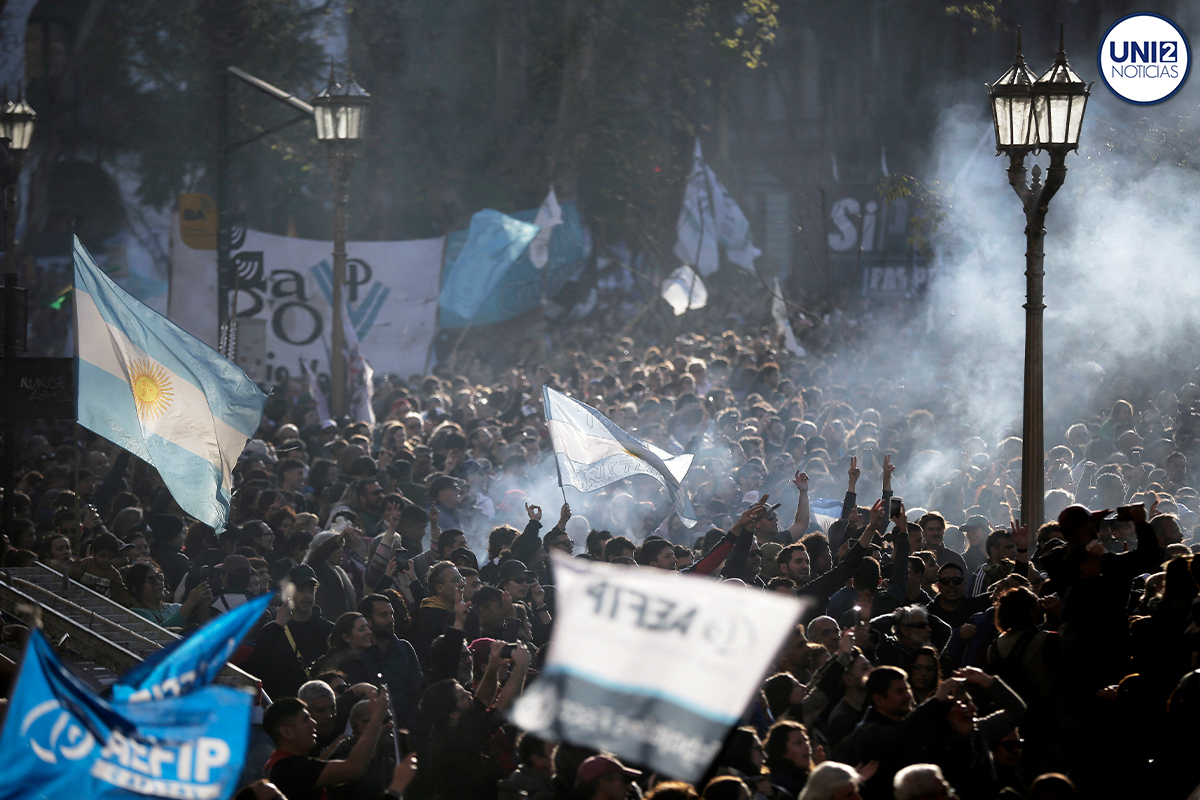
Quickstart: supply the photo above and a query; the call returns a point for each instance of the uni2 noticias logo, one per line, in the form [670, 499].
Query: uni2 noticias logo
[1144, 58]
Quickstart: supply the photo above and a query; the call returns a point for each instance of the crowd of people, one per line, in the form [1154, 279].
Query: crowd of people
[946, 647]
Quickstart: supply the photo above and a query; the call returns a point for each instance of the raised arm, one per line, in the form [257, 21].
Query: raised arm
[803, 512]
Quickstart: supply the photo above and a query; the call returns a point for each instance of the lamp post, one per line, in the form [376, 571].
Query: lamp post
[340, 111]
[16, 129]
[1030, 115]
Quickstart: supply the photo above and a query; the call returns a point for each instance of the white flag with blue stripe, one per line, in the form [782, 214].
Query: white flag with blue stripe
[147, 385]
[651, 665]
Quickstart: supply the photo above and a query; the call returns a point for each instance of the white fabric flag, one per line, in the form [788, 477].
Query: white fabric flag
[696, 230]
[360, 378]
[308, 377]
[782, 326]
[592, 452]
[684, 290]
[549, 215]
[733, 229]
[710, 216]
[650, 665]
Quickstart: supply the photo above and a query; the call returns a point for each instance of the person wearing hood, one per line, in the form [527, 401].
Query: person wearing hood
[336, 593]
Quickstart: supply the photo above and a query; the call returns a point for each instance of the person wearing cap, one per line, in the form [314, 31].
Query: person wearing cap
[476, 473]
[294, 640]
[448, 494]
[99, 572]
[336, 595]
[975, 530]
[604, 778]
[235, 584]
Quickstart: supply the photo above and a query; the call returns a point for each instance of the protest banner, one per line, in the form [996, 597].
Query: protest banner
[652, 666]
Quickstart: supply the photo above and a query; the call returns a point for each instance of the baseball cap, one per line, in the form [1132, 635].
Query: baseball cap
[439, 485]
[976, 521]
[107, 543]
[301, 574]
[597, 767]
[513, 569]
[236, 563]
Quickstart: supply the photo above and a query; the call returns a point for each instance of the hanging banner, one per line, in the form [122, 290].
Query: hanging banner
[391, 292]
[868, 238]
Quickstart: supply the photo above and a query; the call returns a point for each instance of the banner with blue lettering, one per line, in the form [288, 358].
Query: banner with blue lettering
[522, 287]
[191, 663]
[62, 741]
[650, 665]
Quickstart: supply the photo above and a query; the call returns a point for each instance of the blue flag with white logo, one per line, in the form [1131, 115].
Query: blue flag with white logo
[191, 663]
[144, 383]
[61, 741]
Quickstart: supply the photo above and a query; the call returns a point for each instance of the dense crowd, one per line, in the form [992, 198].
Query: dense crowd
[945, 647]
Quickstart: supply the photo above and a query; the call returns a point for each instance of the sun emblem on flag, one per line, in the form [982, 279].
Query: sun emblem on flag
[152, 392]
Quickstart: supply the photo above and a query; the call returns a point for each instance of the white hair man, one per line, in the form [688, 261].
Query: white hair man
[922, 782]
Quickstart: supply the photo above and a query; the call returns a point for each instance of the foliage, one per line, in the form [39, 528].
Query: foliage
[979, 15]
[930, 206]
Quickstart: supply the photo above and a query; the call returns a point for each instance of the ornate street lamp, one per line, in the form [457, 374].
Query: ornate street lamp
[16, 124]
[340, 111]
[16, 129]
[1030, 116]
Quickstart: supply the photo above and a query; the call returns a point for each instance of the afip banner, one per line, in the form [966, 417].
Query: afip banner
[60, 740]
[652, 666]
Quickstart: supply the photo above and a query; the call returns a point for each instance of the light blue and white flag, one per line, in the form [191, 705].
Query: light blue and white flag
[149, 386]
[710, 216]
[62, 741]
[592, 452]
[494, 242]
[192, 663]
[650, 665]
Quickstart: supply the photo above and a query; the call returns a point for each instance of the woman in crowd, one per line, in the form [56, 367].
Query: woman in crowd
[350, 638]
[148, 588]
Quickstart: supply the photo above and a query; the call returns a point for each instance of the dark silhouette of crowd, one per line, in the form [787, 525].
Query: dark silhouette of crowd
[946, 647]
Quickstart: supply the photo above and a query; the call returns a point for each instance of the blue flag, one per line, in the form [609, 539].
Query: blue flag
[522, 285]
[147, 385]
[191, 663]
[494, 242]
[62, 741]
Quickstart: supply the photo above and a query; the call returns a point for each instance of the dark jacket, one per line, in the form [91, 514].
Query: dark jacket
[525, 784]
[277, 665]
[894, 744]
[402, 673]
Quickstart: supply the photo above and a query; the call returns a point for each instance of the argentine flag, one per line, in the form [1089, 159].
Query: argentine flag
[147, 385]
[592, 452]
